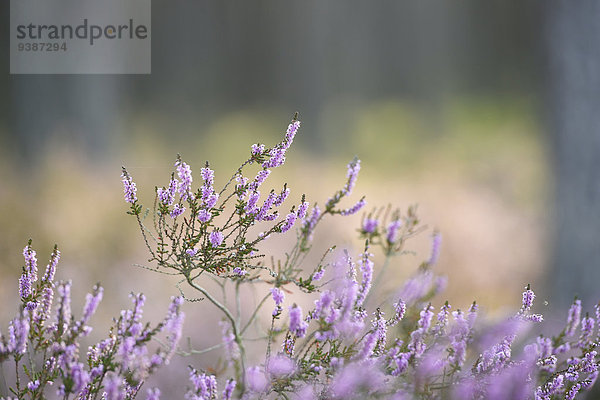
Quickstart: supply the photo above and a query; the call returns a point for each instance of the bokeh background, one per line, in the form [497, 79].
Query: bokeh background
[482, 113]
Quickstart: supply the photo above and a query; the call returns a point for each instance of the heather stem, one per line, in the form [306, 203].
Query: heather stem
[238, 305]
[254, 314]
[234, 327]
[18, 383]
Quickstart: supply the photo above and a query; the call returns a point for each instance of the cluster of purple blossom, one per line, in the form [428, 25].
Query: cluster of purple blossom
[114, 369]
[345, 347]
[223, 246]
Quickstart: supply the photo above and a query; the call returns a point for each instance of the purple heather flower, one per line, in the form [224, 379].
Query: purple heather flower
[311, 222]
[64, 308]
[588, 364]
[191, 252]
[570, 395]
[31, 305]
[368, 345]
[229, 388]
[260, 178]
[459, 334]
[239, 272]
[112, 387]
[544, 347]
[528, 297]
[185, 176]
[51, 267]
[91, 303]
[442, 318]
[366, 267]
[400, 363]
[392, 230]
[317, 276]
[417, 287]
[177, 211]
[587, 329]
[323, 305]
[211, 200]
[204, 215]
[25, 286]
[534, 317]
[252, 200]
[43, 312]
[257, 149]
[18, 332]
[589, 382]
[216, 238]
[354, 377]
[96, 371]
[349, 299]
[472, 314]
[262, 213]
[548, 364]
[290, 134]
[205, 385]
[33, 385]
[556, 386]
[574, 318]
[277, 158]
[297, 324]
[352, 174]
[288, 345]
[285, 192]
[241, 188]
[355, 208]
[79, 377]
[256, 379]
[400, 308]
[289, 222]
[380, 326]
[278, 296]
[30, 262]
[138, 300]
[208, 175]
[369, 225]
[167, 195]
[129, 188]
[174, 325]
[277, 153]
[563, 348]
[426, 315]
[153, 394]
[280, 366]
[302, 208]
[435, 248]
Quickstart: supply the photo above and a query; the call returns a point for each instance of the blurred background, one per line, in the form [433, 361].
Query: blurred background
[483, 114]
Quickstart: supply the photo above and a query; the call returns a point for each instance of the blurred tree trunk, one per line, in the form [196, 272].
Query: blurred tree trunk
[572, 34]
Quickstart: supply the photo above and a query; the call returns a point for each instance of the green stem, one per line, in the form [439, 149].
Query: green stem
[254, 314]
[238, 338]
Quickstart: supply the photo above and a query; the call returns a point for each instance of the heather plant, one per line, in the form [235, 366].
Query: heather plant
[345, 346]
[45, 346]
[354, 342]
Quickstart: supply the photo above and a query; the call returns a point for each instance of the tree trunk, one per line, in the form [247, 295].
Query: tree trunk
[573, 33]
